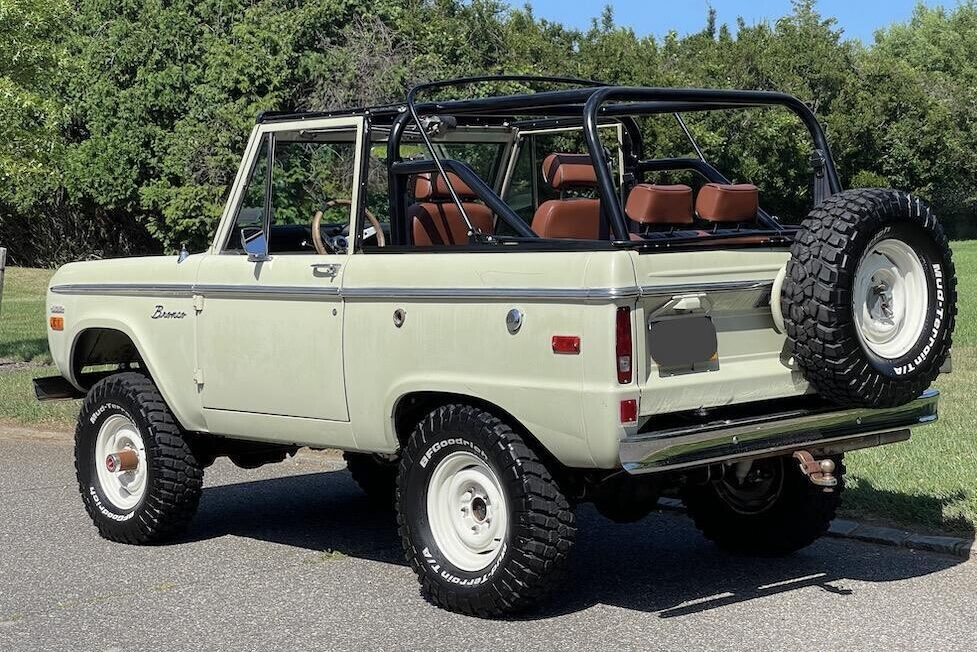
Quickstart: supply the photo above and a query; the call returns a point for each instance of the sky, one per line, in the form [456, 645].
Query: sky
[859, 18]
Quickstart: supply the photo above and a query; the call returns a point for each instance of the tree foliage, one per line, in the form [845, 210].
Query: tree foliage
[123, 122]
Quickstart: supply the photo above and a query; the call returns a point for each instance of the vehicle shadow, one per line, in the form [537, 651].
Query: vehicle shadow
[659, 565]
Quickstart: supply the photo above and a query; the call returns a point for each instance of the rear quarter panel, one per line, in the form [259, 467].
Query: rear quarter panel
[460, 343]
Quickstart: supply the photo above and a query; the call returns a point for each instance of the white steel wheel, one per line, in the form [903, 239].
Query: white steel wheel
[889, 298]
[467, 511]
[123, 487]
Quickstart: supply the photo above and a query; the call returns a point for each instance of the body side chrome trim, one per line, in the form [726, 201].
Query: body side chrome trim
[542, 294]
[267, 291]
[720, 286]
[126, 289]
[317, 292]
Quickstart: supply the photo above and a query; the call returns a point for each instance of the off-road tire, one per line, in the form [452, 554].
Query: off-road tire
[541, 525]
[375, 476]
[174, 476]
[817, 298]
[799, 516]
[626, 499]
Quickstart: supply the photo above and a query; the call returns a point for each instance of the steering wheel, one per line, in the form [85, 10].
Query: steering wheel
[320, 245]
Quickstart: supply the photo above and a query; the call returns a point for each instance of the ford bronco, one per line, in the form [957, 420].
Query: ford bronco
[503, 306]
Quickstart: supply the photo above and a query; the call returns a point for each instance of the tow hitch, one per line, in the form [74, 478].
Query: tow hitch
[820, 473]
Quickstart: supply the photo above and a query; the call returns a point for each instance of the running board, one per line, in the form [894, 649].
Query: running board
[821, 431]
[57, 388]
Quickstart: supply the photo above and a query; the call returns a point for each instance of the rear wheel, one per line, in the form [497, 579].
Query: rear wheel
[771, 509]
[138, 477]
[483, 523]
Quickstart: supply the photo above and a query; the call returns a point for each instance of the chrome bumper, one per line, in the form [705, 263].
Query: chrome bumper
[824, 431]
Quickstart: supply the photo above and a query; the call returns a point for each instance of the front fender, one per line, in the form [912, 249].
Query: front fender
[169, 364]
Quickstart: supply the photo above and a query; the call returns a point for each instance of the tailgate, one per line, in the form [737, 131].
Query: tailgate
[708, 333]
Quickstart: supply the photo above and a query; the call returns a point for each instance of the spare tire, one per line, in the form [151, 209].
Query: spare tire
[869, 298]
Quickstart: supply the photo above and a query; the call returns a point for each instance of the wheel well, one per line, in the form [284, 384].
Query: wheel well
[102, 346]
[413, 407]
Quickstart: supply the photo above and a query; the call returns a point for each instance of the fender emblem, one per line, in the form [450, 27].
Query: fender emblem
[160, 313]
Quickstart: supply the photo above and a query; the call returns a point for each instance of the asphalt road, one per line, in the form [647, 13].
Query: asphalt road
[291, 557]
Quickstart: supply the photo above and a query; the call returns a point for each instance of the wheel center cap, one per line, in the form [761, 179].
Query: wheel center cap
[479, 508]
[125, 460]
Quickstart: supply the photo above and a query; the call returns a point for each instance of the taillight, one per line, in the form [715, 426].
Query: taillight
[623, 347]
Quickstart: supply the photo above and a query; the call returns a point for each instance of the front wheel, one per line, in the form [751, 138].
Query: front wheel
[138, 477]
[483, 523]
[770, 509]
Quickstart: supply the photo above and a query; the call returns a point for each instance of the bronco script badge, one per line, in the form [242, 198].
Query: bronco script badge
[161, 313]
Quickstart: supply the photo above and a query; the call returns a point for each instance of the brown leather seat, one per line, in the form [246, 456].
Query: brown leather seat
[728, 202]
[654, 204]
[435, 218]
[574, 219]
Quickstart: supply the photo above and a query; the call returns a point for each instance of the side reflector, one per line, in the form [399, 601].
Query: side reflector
[57, 323]
[629, 411]
[623, 346]
[569, 344]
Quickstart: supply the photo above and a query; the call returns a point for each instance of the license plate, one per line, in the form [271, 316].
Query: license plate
[683, 343]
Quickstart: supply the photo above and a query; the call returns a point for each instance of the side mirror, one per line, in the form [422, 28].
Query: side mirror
[255, 243]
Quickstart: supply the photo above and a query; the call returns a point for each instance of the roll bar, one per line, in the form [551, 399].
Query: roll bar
[729, 98]
[595, 100]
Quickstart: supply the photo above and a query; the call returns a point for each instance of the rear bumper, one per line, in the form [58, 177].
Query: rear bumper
[821, 431]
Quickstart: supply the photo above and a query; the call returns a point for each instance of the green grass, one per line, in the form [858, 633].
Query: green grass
[23, 338]
[929, 482]
[22, 328]
[932, 479]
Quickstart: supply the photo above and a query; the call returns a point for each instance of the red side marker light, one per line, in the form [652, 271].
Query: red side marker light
[57, 323]
[629, 411]
[567, 344]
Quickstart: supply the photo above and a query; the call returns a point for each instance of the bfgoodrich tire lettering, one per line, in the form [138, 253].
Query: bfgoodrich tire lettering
[540, 522]
[173, 475]
[819, 301]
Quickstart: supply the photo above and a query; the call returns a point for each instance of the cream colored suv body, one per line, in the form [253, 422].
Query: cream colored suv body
[489, 308]
[327, 350]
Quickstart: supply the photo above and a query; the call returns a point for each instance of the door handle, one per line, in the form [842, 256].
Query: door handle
[325, 270]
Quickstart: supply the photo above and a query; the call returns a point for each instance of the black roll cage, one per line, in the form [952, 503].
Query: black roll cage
[587, 105]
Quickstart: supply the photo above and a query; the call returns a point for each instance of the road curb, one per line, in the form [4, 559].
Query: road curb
[886, 536]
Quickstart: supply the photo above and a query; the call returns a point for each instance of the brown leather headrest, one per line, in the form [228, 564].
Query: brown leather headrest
[653, 204]
[728, 202]
[569, 170]
[424, 190]
[574, 219]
